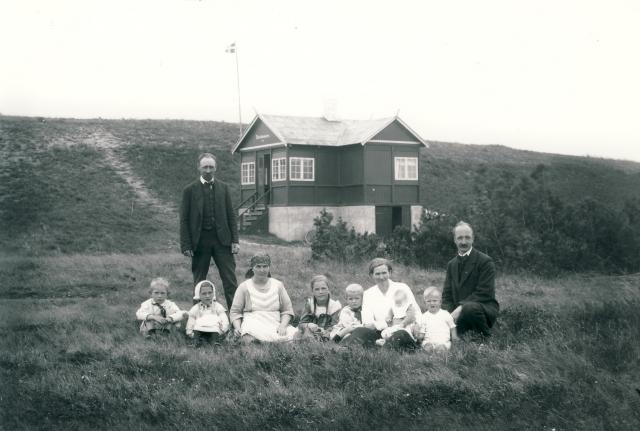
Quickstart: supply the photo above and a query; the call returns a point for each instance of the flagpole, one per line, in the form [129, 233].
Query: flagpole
[238, 81]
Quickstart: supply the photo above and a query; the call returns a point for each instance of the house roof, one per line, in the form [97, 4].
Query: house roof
[320, 131]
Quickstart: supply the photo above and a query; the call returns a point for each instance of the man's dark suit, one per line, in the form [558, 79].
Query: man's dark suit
[474, 289]
[215, 243]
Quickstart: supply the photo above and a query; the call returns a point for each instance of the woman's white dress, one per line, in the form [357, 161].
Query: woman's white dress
[263, 320]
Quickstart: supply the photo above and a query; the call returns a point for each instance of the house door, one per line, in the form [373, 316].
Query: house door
[263, 175]
[384, 219]
[388, 218]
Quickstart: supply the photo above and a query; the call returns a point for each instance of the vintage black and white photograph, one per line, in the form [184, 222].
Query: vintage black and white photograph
[319, 215]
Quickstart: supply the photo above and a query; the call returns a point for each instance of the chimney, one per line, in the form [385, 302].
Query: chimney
[331, 110]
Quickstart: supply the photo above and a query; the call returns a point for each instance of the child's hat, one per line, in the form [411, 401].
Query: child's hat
[196, 293]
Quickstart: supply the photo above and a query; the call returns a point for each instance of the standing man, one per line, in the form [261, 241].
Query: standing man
[208, 227]
[469, 288]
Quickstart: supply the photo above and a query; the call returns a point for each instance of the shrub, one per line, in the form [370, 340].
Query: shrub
[337, 242]
[517, 220]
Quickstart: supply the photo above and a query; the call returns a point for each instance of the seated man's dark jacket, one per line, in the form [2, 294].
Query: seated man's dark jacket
[477, 284]
[191, 214]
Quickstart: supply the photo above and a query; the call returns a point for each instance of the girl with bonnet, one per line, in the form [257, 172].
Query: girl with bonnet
[208, 320]
[262, 309]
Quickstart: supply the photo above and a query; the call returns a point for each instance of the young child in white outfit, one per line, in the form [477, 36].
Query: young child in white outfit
[435, 329]
[401, 317]
[350, 316]
[208, 321]
[158, 314]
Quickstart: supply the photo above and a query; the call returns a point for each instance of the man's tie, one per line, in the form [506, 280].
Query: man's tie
[461, 262]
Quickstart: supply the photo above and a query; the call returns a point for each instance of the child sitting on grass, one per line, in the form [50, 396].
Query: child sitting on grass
[208, 321]
[320, 312]
[350, 317]
[435, 329]
[401, 317]
[157, 313]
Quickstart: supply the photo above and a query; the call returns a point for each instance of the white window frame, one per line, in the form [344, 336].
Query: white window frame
[279, 169]
[248, 173]
[302, 161]
[401, 168]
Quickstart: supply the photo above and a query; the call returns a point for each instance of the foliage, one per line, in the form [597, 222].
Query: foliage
[517, 220]
[449, 173]
[524, 225]
[339, 243]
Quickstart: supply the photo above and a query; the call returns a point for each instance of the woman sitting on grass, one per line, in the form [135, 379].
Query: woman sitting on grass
[320, 312]
[261, 309]
[377, 302]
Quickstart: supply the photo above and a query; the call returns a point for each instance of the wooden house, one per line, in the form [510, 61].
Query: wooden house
[365, 171]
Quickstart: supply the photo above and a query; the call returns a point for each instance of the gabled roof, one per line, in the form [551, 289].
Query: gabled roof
[320, 131]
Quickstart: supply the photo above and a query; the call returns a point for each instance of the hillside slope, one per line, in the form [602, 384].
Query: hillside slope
[451, 171]
[114, 185]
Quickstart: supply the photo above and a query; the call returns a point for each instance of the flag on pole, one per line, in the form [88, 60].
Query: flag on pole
[231, 48]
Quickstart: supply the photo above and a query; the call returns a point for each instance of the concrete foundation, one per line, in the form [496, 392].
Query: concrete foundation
[292, 223]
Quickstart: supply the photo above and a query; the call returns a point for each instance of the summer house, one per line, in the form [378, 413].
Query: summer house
[365, 171]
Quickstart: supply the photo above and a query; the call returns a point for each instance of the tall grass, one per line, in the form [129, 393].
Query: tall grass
[72, 358]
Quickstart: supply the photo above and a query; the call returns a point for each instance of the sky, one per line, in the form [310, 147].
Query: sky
[552, 76]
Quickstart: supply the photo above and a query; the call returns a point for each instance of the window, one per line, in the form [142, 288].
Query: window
[248, 173]
[406, 168]
[302, 168]
[279, 169]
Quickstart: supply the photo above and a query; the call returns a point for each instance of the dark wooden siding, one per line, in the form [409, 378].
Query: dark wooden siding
[395, 132]
[380, 184]
[351, 165]
[279, 194]
[405, 194]
[353, 175]
[259, 134]
[352, 195]
[378, 194]
[327, 167]
[378, 165]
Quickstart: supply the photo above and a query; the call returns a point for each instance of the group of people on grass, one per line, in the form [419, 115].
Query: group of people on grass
[260, 310]
[386, 314]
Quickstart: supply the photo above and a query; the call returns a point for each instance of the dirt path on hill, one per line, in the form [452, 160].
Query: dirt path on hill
[108, 144]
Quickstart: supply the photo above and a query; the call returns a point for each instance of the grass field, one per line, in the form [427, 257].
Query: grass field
[78, 247]
[565, 356]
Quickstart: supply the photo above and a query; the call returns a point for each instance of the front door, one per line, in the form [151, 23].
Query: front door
[384, 221]
[263, 175]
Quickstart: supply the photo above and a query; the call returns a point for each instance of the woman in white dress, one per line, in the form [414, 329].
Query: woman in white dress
[262, 309]
[377, 301]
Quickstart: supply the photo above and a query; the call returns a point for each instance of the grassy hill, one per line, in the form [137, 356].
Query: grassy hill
[60, 192]
[451, 170]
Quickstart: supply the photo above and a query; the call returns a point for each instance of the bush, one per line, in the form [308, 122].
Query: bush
[517, 220]
[337, 242]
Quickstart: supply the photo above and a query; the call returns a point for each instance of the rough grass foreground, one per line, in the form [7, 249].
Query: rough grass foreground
[565, 356]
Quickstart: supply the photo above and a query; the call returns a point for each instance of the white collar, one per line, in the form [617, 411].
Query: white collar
[203, 181]
[467, 253]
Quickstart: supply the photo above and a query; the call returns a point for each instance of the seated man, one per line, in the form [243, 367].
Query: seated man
[469, 287]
